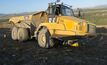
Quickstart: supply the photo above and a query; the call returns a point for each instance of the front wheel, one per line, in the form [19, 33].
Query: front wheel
[44, 38]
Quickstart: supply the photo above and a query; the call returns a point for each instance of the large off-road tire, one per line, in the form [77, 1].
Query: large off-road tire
[44, 38]
[23, 34]
[14, 33]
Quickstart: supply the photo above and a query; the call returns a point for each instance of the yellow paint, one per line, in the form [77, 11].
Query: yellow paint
[67, 26]
[75, 45]
[63, 26]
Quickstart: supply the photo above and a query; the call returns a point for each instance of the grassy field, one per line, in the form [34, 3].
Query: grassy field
[98, 16]
[4, 18]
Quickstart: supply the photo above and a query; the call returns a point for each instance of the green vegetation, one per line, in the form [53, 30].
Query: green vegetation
[97, 16]
[4, 18]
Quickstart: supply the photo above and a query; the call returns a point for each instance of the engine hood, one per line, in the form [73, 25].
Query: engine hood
[70, 22]
[74, 19]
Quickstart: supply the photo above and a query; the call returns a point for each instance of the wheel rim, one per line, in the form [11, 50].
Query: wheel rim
[43, 39]
[14, 33]
[20, 36]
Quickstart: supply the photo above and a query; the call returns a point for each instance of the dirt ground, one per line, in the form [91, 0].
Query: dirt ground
[29, 53]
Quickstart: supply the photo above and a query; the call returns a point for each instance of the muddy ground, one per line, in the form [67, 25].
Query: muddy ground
[29, 53]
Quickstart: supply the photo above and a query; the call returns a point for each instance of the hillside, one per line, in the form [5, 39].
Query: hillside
[97, 16]
[101, 7]
[2, 14]
[6, 17]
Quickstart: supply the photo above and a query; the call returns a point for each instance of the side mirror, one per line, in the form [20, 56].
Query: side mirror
[49, 10]
[79, 13]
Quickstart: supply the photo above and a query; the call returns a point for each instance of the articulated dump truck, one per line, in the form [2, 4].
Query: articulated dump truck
[58, 22]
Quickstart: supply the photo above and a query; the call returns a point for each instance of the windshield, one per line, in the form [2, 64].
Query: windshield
[60, 9]
[67, 11]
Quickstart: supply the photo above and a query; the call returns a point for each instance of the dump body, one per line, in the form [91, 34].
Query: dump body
[18, 19]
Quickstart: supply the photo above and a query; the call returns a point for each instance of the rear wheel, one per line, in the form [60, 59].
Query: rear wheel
[14, 33]
[44, 38]
[23, 34]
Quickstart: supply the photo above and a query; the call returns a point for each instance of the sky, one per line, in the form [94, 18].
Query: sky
[18, 6]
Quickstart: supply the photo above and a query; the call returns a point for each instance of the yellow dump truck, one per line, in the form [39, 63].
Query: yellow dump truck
[58, 22]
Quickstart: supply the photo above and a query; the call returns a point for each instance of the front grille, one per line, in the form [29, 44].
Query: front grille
[91, 28]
